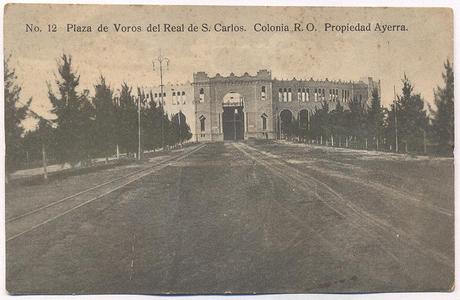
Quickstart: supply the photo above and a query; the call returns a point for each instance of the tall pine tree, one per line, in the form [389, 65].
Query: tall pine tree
[15, 113]
[105, 119]
[74, 114]
[443, 115]
[375, 118]
[127, 120]
[412, 118]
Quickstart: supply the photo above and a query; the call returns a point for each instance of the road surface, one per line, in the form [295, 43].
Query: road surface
[249, 217]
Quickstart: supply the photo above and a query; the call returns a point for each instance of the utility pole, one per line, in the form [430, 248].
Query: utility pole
[234, 123]
[424, 141]
[396, 121]
[139, 127]
[162, 62]
[180, 131]
[45, 171]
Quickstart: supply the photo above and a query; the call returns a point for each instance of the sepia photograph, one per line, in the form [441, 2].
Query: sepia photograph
[203, 150]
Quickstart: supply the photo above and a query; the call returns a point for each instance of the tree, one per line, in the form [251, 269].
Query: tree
[320, 125]
[338, 121]
[180, 127]
[105, 121]
[443, 116]
[375, 118]
[42, 136]
[151, 124]
[411, 117]
[126, 112]
[74, 115]
[356, 118]
[15, 113]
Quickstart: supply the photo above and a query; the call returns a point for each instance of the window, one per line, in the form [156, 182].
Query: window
[316, 95]
[203, 123]
[299, 95]
[289, 95]
[262, 93]
[280, 95]
[183, 98]
[264, 121]
[174, 98]
[308, 94]
[285, 95]
[202, 95]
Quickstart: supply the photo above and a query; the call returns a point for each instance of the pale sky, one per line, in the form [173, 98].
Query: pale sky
[418, 52]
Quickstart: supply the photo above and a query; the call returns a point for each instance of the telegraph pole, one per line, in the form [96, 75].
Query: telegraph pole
[45, 171]
[396, 121]
[180, 131]
[162, 62]
[139, 127]
[234, 124]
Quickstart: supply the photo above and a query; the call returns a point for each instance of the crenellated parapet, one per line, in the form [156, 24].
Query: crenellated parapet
[203, 77]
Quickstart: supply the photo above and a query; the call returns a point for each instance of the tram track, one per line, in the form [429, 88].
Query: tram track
[389, 237]
[19, 225]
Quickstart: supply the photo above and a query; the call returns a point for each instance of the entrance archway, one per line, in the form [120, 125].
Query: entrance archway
[285, 122]
[233, 117]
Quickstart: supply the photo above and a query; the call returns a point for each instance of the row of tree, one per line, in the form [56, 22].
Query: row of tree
[377, 127]
[87, 126]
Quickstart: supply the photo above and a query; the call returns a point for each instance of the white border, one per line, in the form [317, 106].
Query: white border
[454, 4]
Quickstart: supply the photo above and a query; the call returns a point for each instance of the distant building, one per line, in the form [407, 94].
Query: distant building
[255, 106]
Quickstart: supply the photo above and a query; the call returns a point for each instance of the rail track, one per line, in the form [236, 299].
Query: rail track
[389, 237]
[19, 225]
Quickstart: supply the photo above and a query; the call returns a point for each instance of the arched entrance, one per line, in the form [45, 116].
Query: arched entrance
[286, 119]
[233, 117]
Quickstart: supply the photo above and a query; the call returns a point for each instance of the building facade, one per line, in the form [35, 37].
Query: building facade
[255, 106]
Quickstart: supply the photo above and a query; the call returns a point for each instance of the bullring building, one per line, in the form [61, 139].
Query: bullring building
[254, 106]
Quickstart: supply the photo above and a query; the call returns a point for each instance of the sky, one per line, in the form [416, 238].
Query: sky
[418, 52]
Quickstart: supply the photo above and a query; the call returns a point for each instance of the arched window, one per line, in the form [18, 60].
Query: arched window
[183, 98]
[289, 95]
[262, 93]
[285, 95]
[280, 95]
[203, 123]
[264, 121]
